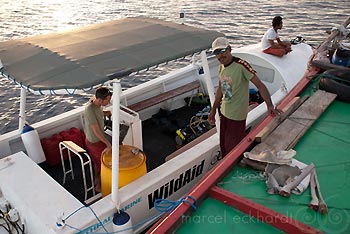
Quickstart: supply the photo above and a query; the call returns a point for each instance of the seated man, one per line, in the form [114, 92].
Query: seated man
[269, 46]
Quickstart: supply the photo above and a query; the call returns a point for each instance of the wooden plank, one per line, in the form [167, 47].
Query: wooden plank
[164, 96]
[73, 147]
[327, 65]
[287, 110]
[287, 134]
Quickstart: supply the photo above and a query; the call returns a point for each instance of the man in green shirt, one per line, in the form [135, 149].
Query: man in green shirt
[233, 93]
[96, 140]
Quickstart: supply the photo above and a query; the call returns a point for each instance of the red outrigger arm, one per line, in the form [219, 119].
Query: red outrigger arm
[207, 186]
[261, 212]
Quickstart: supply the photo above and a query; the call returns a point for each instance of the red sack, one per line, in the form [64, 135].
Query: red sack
[75, 135]
[51, 149]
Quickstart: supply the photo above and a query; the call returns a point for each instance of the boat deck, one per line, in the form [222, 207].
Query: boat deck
[159, 133]
[158, 140]
[326, 144]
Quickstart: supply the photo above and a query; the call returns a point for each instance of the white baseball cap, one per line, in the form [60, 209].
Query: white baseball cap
[220, 43]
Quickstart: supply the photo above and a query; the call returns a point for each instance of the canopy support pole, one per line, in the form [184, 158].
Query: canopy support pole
[115, 142]
[22, 110]
[210, 86]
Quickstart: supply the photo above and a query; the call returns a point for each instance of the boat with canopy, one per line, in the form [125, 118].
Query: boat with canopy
[81, 59]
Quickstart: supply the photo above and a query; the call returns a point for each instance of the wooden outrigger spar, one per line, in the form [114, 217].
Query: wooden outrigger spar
[207, 186]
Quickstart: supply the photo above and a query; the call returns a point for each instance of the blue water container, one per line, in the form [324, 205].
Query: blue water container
[341, 57]
[253, 91]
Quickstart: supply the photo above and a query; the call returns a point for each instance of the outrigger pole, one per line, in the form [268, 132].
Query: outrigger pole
[115, 142]
[210, 86]
[22, 109]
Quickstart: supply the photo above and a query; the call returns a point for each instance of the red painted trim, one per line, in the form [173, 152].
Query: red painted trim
[260, 212]
[211, 178]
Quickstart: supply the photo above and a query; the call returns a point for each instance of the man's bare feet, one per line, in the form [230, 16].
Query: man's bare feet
[97, 183]
[98, 188]
[288, 50]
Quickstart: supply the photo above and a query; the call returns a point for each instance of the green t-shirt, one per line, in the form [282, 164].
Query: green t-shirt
[93, 115]
[235, 89]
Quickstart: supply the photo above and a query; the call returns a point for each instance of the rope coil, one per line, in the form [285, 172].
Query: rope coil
[161, 205]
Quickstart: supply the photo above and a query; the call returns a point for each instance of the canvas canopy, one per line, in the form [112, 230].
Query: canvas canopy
[85, 57]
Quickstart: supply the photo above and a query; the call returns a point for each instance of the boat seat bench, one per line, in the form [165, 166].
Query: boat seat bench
[164, 96]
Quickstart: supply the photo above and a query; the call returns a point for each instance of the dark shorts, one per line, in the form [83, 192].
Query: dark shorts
[231, 133]
[95, 150]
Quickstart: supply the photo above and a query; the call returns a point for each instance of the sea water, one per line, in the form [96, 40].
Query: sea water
[243, 22]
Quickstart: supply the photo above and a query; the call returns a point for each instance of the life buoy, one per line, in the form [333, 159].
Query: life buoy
[337, 81]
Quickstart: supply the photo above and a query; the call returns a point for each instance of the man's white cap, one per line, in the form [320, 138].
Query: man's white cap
[219, 43]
